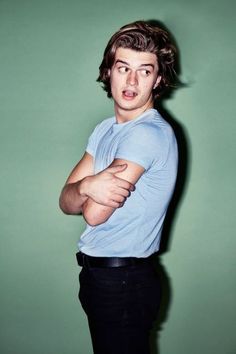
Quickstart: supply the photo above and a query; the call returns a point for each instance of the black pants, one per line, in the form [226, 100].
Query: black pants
[121, 305]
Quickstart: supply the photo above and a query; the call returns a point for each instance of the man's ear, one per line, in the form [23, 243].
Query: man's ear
[109, 73]
[158, 80]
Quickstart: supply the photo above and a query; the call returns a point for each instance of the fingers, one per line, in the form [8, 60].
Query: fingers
[122, 183]
[118, 203]
[114, 204]
[119, 198]
[122, 192]
[108, 189]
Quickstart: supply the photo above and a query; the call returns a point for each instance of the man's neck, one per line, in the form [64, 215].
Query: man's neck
[123, 115]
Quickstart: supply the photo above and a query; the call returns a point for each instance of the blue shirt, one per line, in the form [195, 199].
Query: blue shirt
[134, 230]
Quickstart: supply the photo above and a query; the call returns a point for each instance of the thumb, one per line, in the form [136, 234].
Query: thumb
[117, 168]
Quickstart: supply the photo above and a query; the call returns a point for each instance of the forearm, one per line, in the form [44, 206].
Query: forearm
[96, 214]
[97, 196]
[72, 197]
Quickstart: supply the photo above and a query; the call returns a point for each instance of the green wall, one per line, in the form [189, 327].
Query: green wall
[49, 102]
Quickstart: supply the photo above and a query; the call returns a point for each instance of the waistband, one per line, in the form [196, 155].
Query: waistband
[109, 262]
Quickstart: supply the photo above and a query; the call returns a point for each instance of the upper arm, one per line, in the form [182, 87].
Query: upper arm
[132, 173]
[95, 213]
[144, 144]
[83, 169]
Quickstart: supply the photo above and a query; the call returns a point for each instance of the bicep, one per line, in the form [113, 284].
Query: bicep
[132, 173]
[83, 169]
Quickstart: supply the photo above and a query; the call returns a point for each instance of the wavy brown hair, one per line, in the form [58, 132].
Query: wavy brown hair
[143, 37]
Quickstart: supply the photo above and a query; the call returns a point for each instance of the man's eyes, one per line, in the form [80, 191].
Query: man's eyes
[125, 69]
[145, 72]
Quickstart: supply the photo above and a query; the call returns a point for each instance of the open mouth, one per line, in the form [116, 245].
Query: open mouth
[129, 94]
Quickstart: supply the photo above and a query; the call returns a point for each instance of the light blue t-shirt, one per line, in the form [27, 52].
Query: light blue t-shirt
[134, 230]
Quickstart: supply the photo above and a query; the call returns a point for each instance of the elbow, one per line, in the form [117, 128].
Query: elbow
[90, 222]
[69, 211]
[95, 214]
[93, 219]
[62, 204]
[66, 208]
[63, 207]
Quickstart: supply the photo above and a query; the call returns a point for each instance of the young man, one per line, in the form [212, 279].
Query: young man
[122, 186]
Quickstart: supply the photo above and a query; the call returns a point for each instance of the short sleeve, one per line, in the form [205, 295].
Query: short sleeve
[97, 134]
[143, 144]
[91, 145]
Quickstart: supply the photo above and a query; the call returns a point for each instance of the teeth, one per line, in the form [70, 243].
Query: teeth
[129, 93]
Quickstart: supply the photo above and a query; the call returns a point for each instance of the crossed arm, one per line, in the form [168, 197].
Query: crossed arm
[98, 196]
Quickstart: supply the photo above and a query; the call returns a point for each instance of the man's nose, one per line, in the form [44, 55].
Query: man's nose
[132, 78]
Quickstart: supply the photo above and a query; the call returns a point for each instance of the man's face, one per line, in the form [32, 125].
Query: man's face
[133, 76]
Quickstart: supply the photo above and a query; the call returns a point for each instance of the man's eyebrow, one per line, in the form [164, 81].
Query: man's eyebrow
[126, 63]
[121, 61]
[148, 65]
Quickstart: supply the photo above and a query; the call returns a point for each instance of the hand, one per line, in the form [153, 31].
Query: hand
[107, 189]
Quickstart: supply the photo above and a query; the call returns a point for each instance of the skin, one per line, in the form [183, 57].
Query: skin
[133, 77]
[104, 188]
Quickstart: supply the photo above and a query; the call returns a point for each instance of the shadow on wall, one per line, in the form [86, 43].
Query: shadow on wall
[182, 177]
